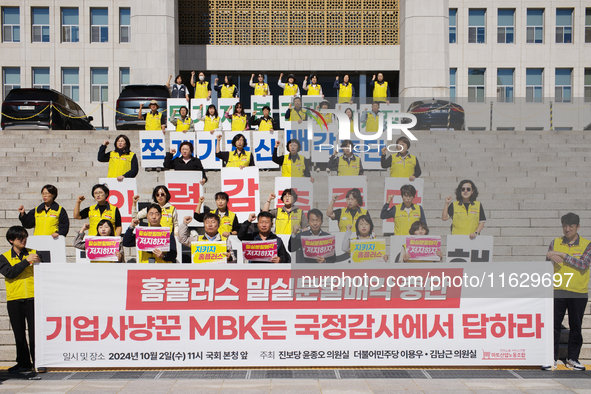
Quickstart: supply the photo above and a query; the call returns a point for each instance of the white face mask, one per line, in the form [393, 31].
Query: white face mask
[201, 77]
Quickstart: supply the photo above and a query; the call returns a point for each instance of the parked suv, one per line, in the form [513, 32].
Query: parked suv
[128, 104]
[32, 103]
[437, 114]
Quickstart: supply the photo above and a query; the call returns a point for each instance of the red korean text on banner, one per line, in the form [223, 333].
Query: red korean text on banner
[184, 196]
[149, 238]
[241, 204]
[259, 250]
[423, 248]
[102, 248]
[318, 246]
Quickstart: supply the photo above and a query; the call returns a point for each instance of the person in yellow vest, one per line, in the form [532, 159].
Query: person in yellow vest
[348, 164]
[293, 164]
[101, 210]
[417, 228]
[345, 90]
[364, 230]
[228, 220]
[16, 266]
[211, 120]
[290, 88]
[266, 122]
[571, 257]
[325, 105]
[156, 256]
[48, 218]
[353, 211]
[202, 88]
[186, 161]
[404, 214]
[349, 113]
[372, 118]
[402, 164]
[240, 157]
[313, 89]
[184, 123]
[104, 229]
[227, 89]
[239, 119]
[288, 218]
[380, 89]
[211, 225]
[160, 196]
[296, 113]
[260, 88]
[155, 120]
[467, 214]
[122, 161]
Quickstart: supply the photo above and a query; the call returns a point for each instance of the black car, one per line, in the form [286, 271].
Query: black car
[129, 101]
[42, 109]
[437, 114]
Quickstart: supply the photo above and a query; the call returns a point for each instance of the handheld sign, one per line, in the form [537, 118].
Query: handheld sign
[208, 252]
[102, 248]
[318, 246]
[259, 250]
[149, 238]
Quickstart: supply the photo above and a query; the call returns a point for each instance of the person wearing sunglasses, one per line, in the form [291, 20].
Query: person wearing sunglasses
[467, 214]
[169, 217]
[238, 119]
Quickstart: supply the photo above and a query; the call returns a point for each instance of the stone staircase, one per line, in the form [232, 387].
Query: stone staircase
[526, 179]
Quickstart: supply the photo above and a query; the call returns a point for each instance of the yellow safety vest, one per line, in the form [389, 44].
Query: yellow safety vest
[403, 167]
[23, 286]
[47, 222]
[261, 89]
[238, 122]
[183, 124]
[290, 90]
[266, 124]
[380, 92]
[228, 91]
[204, 238]
[294, 115]
[314, 90]
[95, 216]
[349, 169]
[237, 161]
[153, 121]
[348, 219]
[225, 222]
[403, 220]
[579, 281]
[372, 123]
[284, 221]
[167, 219]
[201, 90]
[211, 123]
[293, 169]
[327, 118]
[465, 223]
[119, 164]
[345, 92]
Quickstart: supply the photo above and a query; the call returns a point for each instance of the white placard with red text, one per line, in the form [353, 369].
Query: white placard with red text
[242, 186]
[185, 189]
[341, 185]
[303, 188]
[392, 187]
[121, 195]
[262, 315]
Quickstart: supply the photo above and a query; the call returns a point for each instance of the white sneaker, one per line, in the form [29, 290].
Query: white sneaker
[574, 364]
[550, 367]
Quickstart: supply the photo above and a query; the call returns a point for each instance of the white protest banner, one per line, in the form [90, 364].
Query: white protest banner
[258, 312]
[153, 148]
[174, 104]
[256, 106]
[392, 188]
[263, 143]
[284, 102]
[49, 249]
[462, 249]
[205, 150]
[223, 106]
[198, 109]
[121, 195]
[185, 189]
[242, 186]
[341, 185]
[298, 132]
[303, 188]
[398, 247]
[176, 139]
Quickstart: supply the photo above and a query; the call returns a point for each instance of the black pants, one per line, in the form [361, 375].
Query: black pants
[576, 310]
[20, 311]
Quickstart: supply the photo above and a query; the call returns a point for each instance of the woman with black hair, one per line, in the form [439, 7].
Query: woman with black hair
[184, 123]
[160, 196]
[101, 210]
[293, 164]
[238, 119]
[313, 89]
[178, 90]
[227, 89]
[467, 214]
[290, 88]
[122, 161]
[266, 122]
[260, 88]
[211, 120]
[202, 89]
[104, 228]
[353, 211]
[48, 218]
[186, 161]
[239, 157]
[363, 228]
[289, 218]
